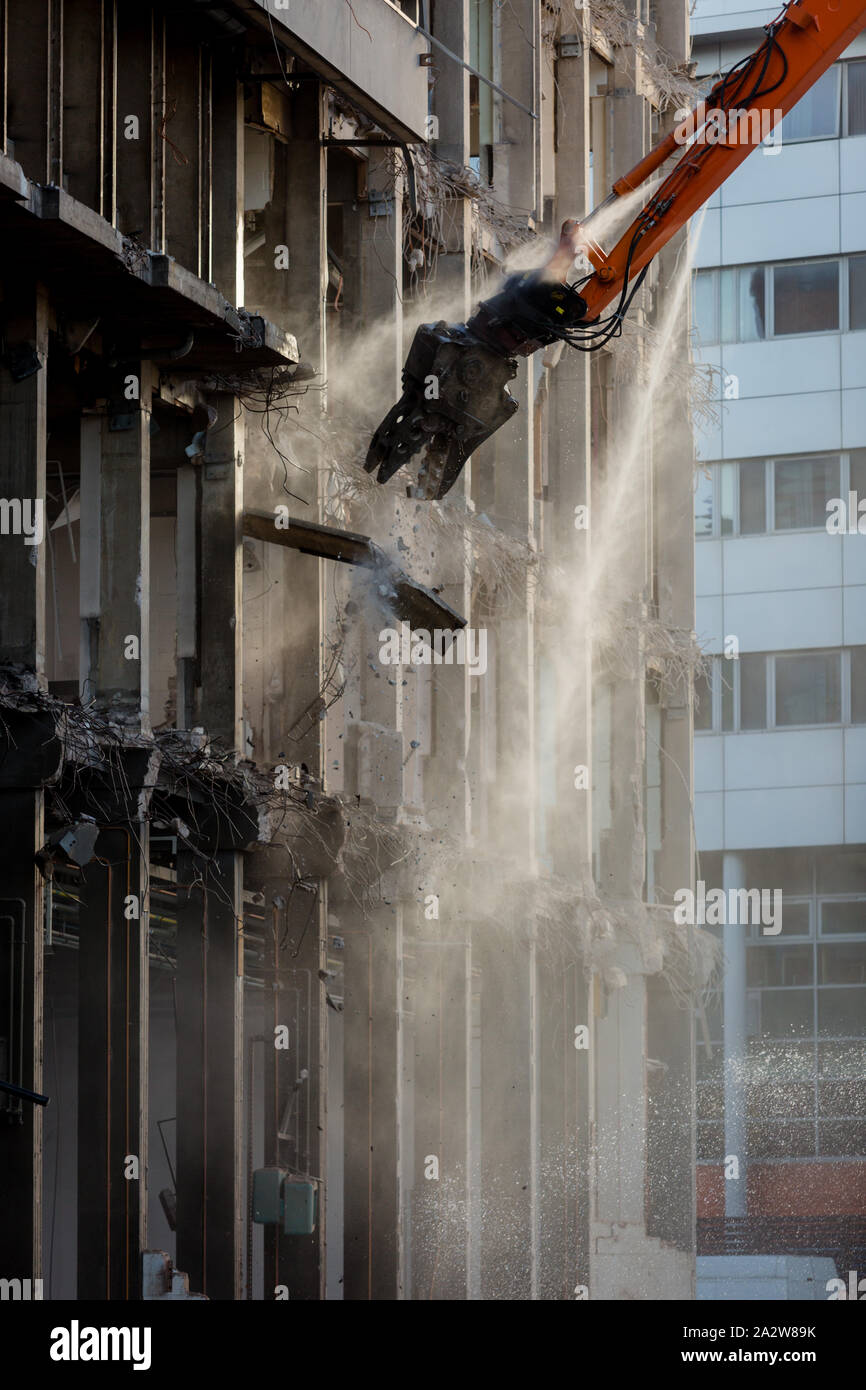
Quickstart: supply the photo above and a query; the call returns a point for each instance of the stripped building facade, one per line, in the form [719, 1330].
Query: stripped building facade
[399, 932]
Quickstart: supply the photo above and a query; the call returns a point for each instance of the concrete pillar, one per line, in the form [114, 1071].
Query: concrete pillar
[440, 1064]
[735, 1045]
[209, 1065]
[508, 1218]
[569, 532]
[295, 1090]
[516, 154]
[371, 1244]
[114, 576]
[451, 109]
[220, 706]
[563, 1120]
[136, 124]
[22, 644]
[112, 1066]
[513, 800]
[227, 163]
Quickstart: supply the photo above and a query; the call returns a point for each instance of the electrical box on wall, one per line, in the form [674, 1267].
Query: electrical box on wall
[280, 1199]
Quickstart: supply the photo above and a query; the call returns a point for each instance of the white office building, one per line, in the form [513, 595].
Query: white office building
[780, 757]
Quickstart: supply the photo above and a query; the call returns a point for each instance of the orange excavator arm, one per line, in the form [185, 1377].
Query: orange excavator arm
[799, 46]
[455, 391]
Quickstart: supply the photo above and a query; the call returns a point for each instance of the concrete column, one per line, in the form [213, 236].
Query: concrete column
[563, 1110]
[440, 1174]
[112, 1066]
[513, 799]
[451, 109]
[296, 1079]
[372, 1094]
[115, 553]
[22, 476]
[736, 1113]
[227, 163]
[516, 163]
[380, 267]
[508, 1219]
[136, 127]
[22, 644]
[220, 706]
[209, 1065]
[569, 533]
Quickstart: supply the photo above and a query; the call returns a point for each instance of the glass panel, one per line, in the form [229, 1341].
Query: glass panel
[802, 489]
[727, 490]
[806, 297]
[788, 869]
[817, 113]
[728, 305]
[808, 688]
[704, 307]
[794, 1101]
[796, 918]
[842, 871]
[710, 1102]
[787, 1013]
[842, 1137]
[710, 1142]
[858, 685]
[843, 919]
[753, 691]
[751, 294]
[703, 502]
[728, 670]
[856, 98]
[843, 1059]
[779, 965]
[857, 466]
[753, 518]
[703, 702]
[842, 1012]
[781, 1062]
[709, 1068]
[842, 1098]
[794, 1139]
[842, 964]
[856, 292]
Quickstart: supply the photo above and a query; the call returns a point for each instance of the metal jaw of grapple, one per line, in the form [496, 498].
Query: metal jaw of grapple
[455, 391]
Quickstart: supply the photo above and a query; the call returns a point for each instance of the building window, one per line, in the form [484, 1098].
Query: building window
[749, 303]
[781, 690]
[816, 115]
[808, 688]
[857, 293]
[760, 496]
[805, 1070]
[801, 489]
[855, 97]
[806, 297]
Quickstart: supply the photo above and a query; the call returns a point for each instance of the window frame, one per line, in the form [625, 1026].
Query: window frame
[823, 1071]
[715, 467]
[768, 267]
[770, 726]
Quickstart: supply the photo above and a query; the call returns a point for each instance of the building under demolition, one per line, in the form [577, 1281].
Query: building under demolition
[344, 956]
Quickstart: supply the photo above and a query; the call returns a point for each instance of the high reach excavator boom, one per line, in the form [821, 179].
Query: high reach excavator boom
[455, 391]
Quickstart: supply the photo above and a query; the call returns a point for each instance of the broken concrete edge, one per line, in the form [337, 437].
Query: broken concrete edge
[401, 596]
[49, 203]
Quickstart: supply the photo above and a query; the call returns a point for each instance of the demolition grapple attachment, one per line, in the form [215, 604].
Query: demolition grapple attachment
[455, 391]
